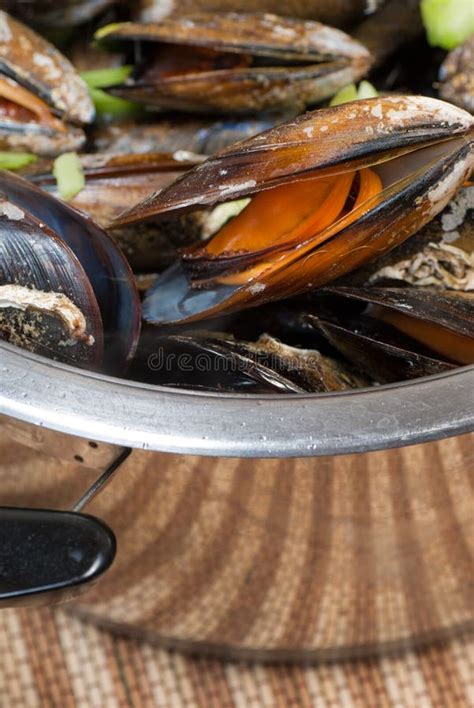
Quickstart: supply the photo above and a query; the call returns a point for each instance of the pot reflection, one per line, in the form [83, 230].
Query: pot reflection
[287, 559]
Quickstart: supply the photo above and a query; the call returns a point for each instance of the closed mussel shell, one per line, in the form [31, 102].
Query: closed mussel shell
[104, 264]
[457, 76]
[47, 304]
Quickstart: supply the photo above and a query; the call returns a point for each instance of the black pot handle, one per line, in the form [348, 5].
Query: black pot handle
[48, 556]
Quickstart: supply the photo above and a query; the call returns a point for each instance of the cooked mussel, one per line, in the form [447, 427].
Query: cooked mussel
[43, 101]
[395, 24]
[66, 288]
[214, 361]
[111, 182]
[50, 13]
[172, 133]
[331, 190]
[338, 13]
[457, 76]
[398, 333]
[238, 63]
[47, 304]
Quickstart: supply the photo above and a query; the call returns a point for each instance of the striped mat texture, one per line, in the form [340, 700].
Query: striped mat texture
[337, 556]
[52, 660]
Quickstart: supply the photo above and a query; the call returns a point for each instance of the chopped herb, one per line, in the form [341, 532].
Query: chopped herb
[344, 95]
[366, 90]
[16, 160]
[107, 106]
[107, 29]
[99, 78]
[448, 23]
[69, 175]
[352, 93]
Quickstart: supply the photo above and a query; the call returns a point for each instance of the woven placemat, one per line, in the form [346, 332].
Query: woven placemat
[303, 559]
[52, 660]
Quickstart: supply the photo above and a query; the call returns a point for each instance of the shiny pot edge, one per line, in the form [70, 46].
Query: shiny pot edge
[45, 393]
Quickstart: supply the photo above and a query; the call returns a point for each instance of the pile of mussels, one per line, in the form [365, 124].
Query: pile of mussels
[234, 231]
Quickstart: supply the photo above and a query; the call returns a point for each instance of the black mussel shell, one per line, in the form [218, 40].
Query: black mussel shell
[212, 361]
[350, 320]
[47, 304]
[104, 265]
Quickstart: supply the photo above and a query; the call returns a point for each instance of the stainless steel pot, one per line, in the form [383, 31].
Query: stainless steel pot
[125, 413]
[280, 558]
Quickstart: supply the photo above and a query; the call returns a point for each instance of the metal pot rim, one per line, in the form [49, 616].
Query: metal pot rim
[118, 411]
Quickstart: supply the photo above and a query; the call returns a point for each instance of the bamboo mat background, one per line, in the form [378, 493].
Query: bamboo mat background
[52, 660]
[61, 658]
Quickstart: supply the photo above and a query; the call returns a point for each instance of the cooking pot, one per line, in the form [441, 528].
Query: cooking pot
[302, 550]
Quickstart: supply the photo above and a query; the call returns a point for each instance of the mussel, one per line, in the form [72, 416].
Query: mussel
[338, 13]
[236, 63]
[113, 181]
[197, 134]
[43, 101]
[397, 23]
[215, 361]
[65, 288]
[330, 191]
[457, 76]
[398, 333]
[50, 13]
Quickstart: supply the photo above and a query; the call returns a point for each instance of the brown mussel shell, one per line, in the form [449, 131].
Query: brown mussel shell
[47, 304]
[50, 13]
[170, 134]
[394, 25]
[379, 348]
[338, 13]
[111, 182]
[34, 64]
[457, 76]
[114, 180]
[299, 63]
[422, 149]
[104, 265]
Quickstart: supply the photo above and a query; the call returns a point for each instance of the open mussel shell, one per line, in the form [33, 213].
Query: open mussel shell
[43, 100]
[217, 362]
[105, 266]
[457, 76]
[398, 333]
[47, 304]
[418, 151]
[112, 181]
[237, 63]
